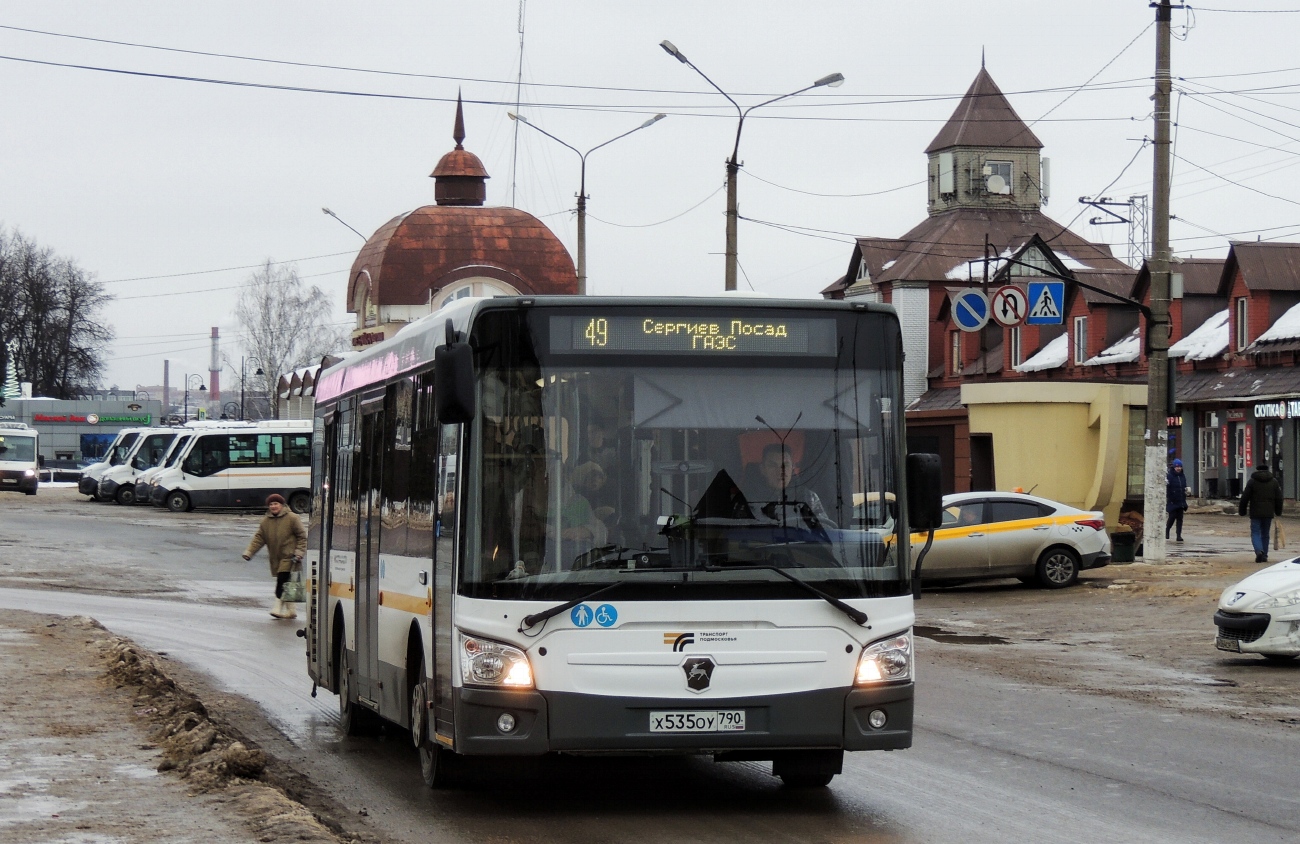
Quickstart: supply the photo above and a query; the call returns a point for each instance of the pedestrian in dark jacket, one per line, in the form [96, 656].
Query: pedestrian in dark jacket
[1262, 501]
[282, 533]
[1176, 499]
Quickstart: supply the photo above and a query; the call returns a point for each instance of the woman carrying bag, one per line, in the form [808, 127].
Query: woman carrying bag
[282, 533]
[1176, 498]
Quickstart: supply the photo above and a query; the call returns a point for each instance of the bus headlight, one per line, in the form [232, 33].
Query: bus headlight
[487, 663]
[30, 473]
[886, 661]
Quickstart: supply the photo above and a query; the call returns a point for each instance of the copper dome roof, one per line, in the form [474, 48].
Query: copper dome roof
[415, 255]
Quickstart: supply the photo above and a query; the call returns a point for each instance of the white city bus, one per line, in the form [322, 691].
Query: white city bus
[606, 573]
[225, 468]
[20, 458]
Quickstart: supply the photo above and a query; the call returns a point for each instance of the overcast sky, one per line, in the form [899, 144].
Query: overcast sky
[171, 190]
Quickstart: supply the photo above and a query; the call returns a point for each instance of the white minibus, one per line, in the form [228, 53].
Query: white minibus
[118, 482]
[20, 460]
[115, 456]
[240, 468]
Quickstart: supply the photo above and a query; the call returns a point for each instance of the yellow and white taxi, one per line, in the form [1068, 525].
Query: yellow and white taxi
[1006, 534]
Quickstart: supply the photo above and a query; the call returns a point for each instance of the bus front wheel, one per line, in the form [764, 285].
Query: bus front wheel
[437, 765]
[178, 502]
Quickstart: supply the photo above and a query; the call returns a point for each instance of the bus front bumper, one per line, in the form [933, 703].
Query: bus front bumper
[836, 719]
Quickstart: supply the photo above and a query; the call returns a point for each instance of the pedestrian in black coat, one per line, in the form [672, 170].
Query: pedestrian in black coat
[1176, 498]
[1262, 501]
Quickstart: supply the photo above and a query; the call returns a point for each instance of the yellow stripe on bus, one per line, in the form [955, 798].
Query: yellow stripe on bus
[342, 590]
[405, 603]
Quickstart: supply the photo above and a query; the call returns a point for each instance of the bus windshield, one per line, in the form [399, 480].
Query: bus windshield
[689, 477]
[17, 448]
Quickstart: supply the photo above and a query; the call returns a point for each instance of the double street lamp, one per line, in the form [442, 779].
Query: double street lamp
[834, 80]
[202, 389]
[582, 186]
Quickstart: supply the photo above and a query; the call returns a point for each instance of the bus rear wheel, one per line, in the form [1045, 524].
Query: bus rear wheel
[178, 502]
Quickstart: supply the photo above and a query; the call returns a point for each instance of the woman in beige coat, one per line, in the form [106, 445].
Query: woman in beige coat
[282, 533]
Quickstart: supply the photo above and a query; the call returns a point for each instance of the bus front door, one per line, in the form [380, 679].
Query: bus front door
[367, 575]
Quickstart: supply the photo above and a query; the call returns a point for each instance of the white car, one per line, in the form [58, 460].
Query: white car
[988, 535]
[1261, 614]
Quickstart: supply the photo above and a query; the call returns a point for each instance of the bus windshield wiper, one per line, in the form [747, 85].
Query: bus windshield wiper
[857, 616]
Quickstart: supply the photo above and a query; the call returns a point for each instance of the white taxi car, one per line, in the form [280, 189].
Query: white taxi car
[1261, 614]
[988, 535]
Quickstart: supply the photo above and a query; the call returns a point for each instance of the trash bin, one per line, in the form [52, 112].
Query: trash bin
[1123, 545]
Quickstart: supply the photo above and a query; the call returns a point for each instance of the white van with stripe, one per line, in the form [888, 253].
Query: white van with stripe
[238, 469]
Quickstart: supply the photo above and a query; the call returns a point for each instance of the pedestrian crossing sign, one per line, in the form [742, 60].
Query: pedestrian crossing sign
[1046, 303]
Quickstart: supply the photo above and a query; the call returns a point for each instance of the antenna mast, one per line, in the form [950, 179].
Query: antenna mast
[519, 84]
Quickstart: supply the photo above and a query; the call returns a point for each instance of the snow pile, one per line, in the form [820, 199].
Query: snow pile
[1051, 356]
[1125, 351]
[1210, 340]
[1287, 327]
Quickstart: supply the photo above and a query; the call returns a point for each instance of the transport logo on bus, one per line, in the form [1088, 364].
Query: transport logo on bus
[699, 672]
[679, 641]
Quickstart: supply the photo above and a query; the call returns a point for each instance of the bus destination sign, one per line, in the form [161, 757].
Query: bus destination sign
[750, 334]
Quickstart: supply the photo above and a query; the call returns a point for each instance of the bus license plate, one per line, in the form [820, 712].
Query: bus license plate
[698, 721]
[1227, 644]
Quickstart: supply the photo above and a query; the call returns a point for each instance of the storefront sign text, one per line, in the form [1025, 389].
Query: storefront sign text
[1278, 409]
[92, 419]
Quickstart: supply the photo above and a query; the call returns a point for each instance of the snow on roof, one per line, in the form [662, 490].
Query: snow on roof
[1072, 263]
[888, 264]
[1208, 341]
[961, 272]
[1287, 327]
[1126, 350]
[1051, 356]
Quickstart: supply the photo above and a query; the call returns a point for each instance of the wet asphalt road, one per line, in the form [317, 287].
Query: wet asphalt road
[993, 760]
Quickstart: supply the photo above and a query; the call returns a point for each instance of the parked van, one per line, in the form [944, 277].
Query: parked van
[20, 460]
[118, 482]
[115, 456]
[239, 468]
[144, 483]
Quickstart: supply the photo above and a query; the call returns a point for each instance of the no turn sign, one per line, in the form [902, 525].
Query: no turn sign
[1009, 305]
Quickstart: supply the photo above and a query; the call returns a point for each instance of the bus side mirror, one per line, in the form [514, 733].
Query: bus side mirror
[924, 492]
[40, 461]
[453, 383]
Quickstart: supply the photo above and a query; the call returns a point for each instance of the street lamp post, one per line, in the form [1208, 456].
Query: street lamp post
[241, 382]
[330, 213]
[202, 389]
[834, 80]
[582, 186]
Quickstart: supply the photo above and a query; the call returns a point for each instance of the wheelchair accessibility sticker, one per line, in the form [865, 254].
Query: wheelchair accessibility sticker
[605, 615]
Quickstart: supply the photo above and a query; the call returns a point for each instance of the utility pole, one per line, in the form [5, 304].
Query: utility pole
[1158, 386]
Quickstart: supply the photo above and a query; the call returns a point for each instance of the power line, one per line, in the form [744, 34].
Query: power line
[211, 289]
[661, 222]
[751, 175]
[226, 269]
[675, 110]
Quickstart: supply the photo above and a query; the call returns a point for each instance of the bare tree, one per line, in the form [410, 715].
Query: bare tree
[285, 325]
[51, 309]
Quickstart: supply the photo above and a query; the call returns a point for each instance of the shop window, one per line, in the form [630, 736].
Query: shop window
[1137, 451]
